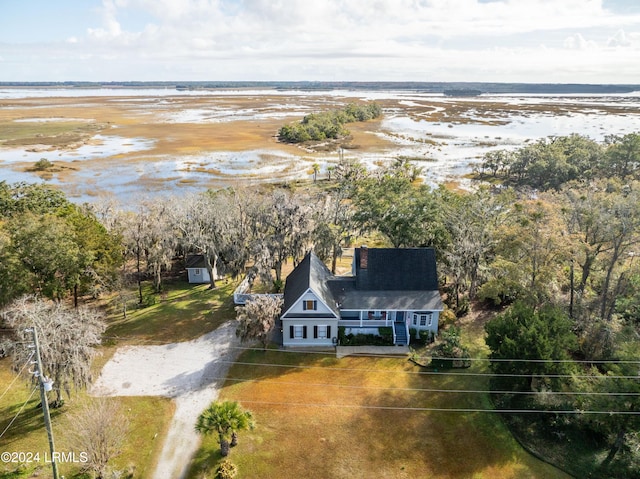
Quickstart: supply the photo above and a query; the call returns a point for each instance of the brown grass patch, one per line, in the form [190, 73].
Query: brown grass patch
[347, 419]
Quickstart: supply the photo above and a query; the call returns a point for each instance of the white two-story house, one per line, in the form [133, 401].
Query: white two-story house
[389, 287]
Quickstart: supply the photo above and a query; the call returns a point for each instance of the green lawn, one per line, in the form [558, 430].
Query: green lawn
[351, 418]
[183, 312]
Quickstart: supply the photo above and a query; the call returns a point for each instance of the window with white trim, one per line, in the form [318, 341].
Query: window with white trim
[298, 332]
[426, 319]
[198, 271]
[322, 331]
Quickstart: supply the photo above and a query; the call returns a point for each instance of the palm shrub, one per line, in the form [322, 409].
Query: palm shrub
[224, 418]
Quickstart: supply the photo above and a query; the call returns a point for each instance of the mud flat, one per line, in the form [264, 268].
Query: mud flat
[128, 143]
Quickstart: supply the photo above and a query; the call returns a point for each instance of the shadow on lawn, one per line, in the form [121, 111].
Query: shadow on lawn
[29, 420]
[259, 364]
[188, 312]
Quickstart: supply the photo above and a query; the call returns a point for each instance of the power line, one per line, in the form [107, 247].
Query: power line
[434, 373]
[16, 416]
[17, 375]
[146, 342]
[328, 353]
[436, 409]
[430, 390]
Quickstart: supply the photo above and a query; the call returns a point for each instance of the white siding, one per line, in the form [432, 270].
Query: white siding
[198, 275]
[310, 324]
[309, 295]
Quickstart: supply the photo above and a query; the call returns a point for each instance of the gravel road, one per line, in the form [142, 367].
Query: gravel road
[190, 372]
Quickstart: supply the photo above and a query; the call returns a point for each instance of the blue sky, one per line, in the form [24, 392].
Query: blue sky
[559, 41]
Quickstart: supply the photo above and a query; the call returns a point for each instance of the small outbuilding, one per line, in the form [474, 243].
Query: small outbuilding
[197, 269]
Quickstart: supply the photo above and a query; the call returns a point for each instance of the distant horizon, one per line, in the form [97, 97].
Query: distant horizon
[424, 86]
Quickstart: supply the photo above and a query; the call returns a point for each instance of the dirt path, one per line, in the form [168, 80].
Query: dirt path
[190, 372]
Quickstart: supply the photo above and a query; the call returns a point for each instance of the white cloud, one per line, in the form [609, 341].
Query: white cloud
[578, 42]
[503, 40]
[620, 39]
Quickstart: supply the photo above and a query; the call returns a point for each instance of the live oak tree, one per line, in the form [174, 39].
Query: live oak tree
[257, 318]
[51, 253]
[471, 221]
[13, 273]
[160, 241]
[281, 229]
[195, 220]
[529, 248]
[391, 203]
[133, 226]
[67, 336]
[52, 246]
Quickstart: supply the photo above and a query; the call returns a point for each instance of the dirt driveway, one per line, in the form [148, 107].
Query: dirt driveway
[190, 372]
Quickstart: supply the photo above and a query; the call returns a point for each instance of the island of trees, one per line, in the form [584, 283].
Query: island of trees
[328, 125]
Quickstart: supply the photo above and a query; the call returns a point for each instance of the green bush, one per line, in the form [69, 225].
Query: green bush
[278, 285]
[149, 300]
[426, 337]
[450, 353]
[386, 333]
[42, 164]
[463, 307]
[365, 339]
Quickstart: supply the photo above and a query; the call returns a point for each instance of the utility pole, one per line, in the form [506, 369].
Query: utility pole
[45, 402]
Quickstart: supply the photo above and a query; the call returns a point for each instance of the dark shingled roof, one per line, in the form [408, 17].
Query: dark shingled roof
[196, 261]
[311, 273]
[396, 279]
[396, 269]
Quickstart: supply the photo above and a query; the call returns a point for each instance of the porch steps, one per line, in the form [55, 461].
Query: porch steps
[401, 333]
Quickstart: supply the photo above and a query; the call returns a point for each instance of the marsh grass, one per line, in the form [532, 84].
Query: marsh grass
[54, 133]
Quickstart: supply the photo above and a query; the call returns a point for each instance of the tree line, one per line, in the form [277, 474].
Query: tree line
[552, 162]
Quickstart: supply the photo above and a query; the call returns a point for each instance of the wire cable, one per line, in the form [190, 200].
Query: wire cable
[429, 390]
[437, 409]
[17, 375]
[577, 361]
[16, 416]
[433, 373]
[147, 342]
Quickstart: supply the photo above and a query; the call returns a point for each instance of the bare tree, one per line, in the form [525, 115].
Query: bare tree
[98, 429]
[133, 226]
[258, 317]
[67, 339]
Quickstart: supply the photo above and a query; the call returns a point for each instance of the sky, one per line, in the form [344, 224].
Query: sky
[532, 41]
